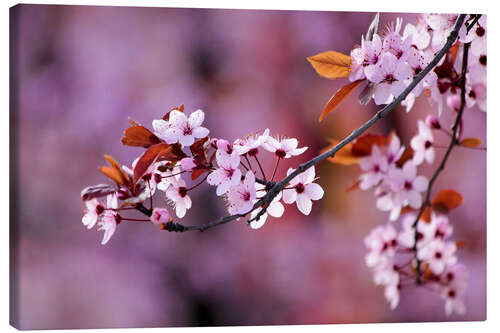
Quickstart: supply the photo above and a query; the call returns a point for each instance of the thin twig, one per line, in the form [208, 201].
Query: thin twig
[453, 142]
[277, 187]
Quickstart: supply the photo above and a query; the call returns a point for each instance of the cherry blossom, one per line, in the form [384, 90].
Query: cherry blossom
[422, 144]
[381, 244]
[176, 193]
[227, 174]
[389, 74]
[302, 190]
[250, 144]
[241, 197]
[181, 128]
[453, 291]
[375, 166]
[93, 210]
[275, 209]
[110, 219]
[284, 148]
[438, 254]
[395, 43]
[160, 215]
[407, 185]
[367, 54]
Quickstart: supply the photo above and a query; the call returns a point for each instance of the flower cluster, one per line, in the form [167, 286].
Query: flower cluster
[179, 146]
[397, 256]
[390, 62]
[391, 257]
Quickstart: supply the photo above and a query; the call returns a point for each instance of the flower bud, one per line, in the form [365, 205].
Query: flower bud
[433, 122]
[225, 146]
[188, 164]
[160, 216]
[453, 102]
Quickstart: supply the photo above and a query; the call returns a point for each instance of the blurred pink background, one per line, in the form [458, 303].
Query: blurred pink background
[81, 71]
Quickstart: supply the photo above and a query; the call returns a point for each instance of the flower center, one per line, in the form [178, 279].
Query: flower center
[188, 130]
[451, 293]
[480, 31]
[389, 78]
[482, 60]
[472, 94]
[253, 152]
[300, 188]
[229, 173]
[408, 185]
[449, 276]
[280, 153]
[182, 191]
[246, 196]
[376, 168]
[438, 255]
[427, 144]
[99, 209]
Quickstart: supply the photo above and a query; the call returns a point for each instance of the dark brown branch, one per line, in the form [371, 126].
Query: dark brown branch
[453, 142]
[265, 201]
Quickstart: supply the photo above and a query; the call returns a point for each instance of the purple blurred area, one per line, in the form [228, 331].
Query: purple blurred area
[81, 71]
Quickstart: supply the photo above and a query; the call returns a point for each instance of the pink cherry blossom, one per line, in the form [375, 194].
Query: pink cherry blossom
[241, 197]
[478, 44]
[375, 166]
[381, 244]
[438, 254]
[419, 36]
[284, 148]
[422, 144]
[181, 128]
[302, 190]
[367, 54]
[453, 291]
[160, 216]
[110, 218]
[176, 193]
[407, 185]
[433, 122]
[188, 164]
[168, 177]
[275, 208]
[93, 210]
[227, 174]
[389, 74]
[250, 144]
[394, 42]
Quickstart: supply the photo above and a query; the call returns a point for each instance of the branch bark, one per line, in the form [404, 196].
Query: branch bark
[277, 187]
[453, 142]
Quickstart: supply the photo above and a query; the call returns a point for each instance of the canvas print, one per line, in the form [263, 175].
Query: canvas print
[213, 167]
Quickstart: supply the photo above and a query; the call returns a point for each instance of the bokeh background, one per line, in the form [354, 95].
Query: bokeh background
[78, 72]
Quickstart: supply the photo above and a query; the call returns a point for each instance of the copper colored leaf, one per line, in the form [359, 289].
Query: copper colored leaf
[196, 173]
[115, 172]
[338, 98]
[155, 153]
[426, 215]
[406, 209]
[363, 145]
[331, 64]
[353, 187]
[471, 142]
[448, 198]
[453, 52]
[138, 136]
[112, 174]
[343, 156]
[96, 191]
[407, 155]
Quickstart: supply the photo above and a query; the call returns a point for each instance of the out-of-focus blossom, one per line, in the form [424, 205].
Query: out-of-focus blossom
[422, 144]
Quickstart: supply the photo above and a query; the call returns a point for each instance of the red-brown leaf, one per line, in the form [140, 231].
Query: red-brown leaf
[338, 98]
[471, 142]
[138, 136]
[449, 199]
[167, 115]
[156, 153]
